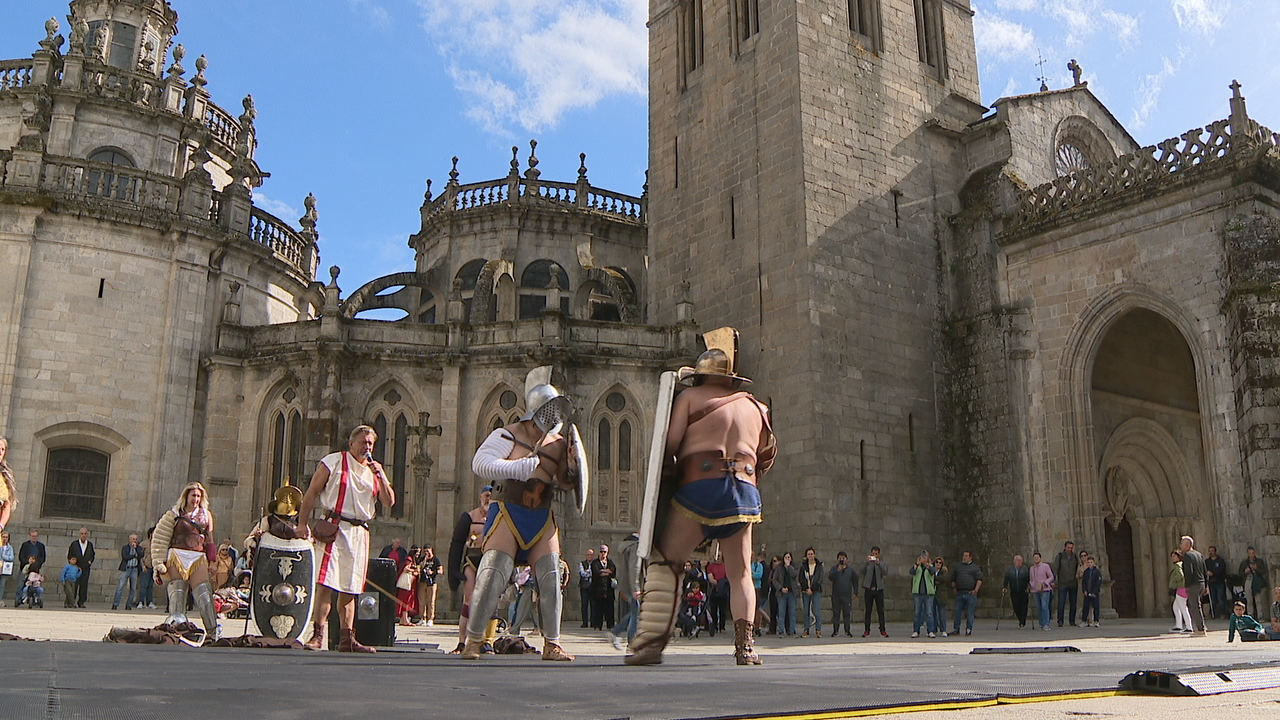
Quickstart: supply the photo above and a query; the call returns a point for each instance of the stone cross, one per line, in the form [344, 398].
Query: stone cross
[423, 461]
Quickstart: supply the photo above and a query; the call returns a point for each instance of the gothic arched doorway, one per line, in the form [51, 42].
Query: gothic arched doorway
[1146, 419]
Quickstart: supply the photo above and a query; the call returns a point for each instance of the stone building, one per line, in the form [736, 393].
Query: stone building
[984, 328]
[157, 328]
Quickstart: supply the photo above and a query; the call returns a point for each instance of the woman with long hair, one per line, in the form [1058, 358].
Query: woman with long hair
[180, 559]
[786, 580]
[8, 488]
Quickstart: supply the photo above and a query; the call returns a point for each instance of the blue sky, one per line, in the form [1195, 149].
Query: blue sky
[360, 101]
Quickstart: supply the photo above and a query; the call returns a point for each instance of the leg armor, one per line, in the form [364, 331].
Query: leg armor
[550, 605]
[177, 590]
[202, 595]
[744, 643]
[658, 607]
[491, 579]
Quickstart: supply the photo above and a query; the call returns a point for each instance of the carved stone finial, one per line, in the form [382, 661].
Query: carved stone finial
[582, 167]
[202, 63]
[533, 154]
[79, 31]
[453, 174]
[309, 216]
[645, 188]
[515, 160]
[51, 28]
[53, 41]
[427, 197]
[179, 52]
[250, 112]
[234, 287]
[334, 272]
[1076, 72]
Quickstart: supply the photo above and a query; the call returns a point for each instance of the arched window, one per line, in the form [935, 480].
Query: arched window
[389, 415]
[535, 285]
[75, 484]
[107, 184]
[426, 312]
[466, 278]
[286, 432]
[502, 407]
[121, 43]
[615, 478]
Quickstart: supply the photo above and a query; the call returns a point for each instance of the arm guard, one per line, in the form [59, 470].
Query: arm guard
[162, 537]
[457, 548]
[491, 461]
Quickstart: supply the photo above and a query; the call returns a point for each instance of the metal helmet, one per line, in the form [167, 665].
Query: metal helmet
[713, 363]
[546, 407]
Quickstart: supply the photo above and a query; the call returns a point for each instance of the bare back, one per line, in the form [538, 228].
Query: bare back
[733, 428]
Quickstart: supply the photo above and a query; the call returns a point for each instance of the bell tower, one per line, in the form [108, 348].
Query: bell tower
[804, 159]
[131, 35]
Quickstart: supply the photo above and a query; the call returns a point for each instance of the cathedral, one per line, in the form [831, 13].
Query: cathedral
[980, 328]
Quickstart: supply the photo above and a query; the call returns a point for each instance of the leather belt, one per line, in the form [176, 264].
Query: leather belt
[713, 464]
[530, 494]
[330, 515]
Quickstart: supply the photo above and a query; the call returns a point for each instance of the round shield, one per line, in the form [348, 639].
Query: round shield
[583, 485]
[283, 580]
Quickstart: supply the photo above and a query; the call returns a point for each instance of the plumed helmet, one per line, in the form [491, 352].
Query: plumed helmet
[546, 407]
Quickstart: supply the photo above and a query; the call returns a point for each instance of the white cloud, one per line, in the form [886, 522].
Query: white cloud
[1150, 87]
[1126, 26]
[1010, 88]
[529, 62]
[1080, 19]
[1016, 5]
[375, 12]
[1002, 38]
[1200, 16]
[282, 210]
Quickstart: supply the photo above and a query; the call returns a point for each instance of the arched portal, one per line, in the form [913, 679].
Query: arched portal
[1151, 468]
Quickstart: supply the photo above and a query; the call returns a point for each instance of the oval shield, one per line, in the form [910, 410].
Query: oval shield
[283, 580]
[584, 469]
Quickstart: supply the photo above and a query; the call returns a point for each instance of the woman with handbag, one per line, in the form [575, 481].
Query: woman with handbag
[181, 555]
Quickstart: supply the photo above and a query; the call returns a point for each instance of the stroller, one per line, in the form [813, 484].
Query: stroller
[695, 613]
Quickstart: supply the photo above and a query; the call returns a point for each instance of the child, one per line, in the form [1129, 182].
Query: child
[694, 599]
[1248, 627]
[70, 574]
[1273, 633]
[35, 593]
[1091, 584]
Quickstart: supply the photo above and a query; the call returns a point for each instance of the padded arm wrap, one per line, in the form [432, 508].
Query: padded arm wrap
[491, 463]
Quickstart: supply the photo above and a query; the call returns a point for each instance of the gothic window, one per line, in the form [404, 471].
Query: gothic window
[75, 484]
[1069, 159]
[746, 19]
[615, 480]
[467, 277]
[929, 36]
[503, 408]
[535, 287]
[864, 21]
[691, 41]
[101, 182]
[426, 312]
[389, 416]
[285, 453]
[122, 40]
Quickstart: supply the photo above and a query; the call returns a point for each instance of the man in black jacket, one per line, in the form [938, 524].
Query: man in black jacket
[82, 550]
[603, 572]
[873, 572]
[1216, 574]
[130, 571]
[1017, 578]
[844, 589]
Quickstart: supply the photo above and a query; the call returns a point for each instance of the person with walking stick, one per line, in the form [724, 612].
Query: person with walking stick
[1017, 580]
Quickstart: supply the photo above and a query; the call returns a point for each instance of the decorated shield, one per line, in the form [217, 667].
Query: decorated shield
[283, 581]
[653, 470]
[584, 469]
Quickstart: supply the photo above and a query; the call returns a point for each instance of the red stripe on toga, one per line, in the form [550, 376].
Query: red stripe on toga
[342, 495]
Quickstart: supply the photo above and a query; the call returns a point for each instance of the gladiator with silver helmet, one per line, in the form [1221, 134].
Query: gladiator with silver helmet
[526, 462]
[710, 447]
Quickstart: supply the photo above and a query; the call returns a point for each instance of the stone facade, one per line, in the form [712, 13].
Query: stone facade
[978, 330]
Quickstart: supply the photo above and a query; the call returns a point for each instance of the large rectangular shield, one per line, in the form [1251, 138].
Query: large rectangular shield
[653, 470]
[283, 581]
[583, 486]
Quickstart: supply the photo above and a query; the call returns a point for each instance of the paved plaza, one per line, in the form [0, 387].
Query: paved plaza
[77, 677]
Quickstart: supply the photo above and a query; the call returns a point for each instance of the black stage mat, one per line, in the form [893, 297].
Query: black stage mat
[103, 681]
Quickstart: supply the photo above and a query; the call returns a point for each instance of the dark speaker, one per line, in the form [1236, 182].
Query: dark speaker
[376, 617]
[376, 609]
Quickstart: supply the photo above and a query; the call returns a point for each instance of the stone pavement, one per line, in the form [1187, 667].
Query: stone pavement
[94, 679]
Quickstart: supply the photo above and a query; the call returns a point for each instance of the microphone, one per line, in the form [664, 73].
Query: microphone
[368, 458]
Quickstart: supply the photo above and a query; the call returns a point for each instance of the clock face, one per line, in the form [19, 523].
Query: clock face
[1070, 159]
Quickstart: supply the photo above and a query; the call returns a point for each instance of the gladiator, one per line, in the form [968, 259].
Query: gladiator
[719, 443]
[526, 461]
[465, 551]
[180, 558]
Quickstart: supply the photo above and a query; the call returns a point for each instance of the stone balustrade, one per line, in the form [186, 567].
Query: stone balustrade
[490, 193]
[15, 74]
[117, 84]
[1192, 149]
[129, 188]
[270, 231]
[223, 128]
